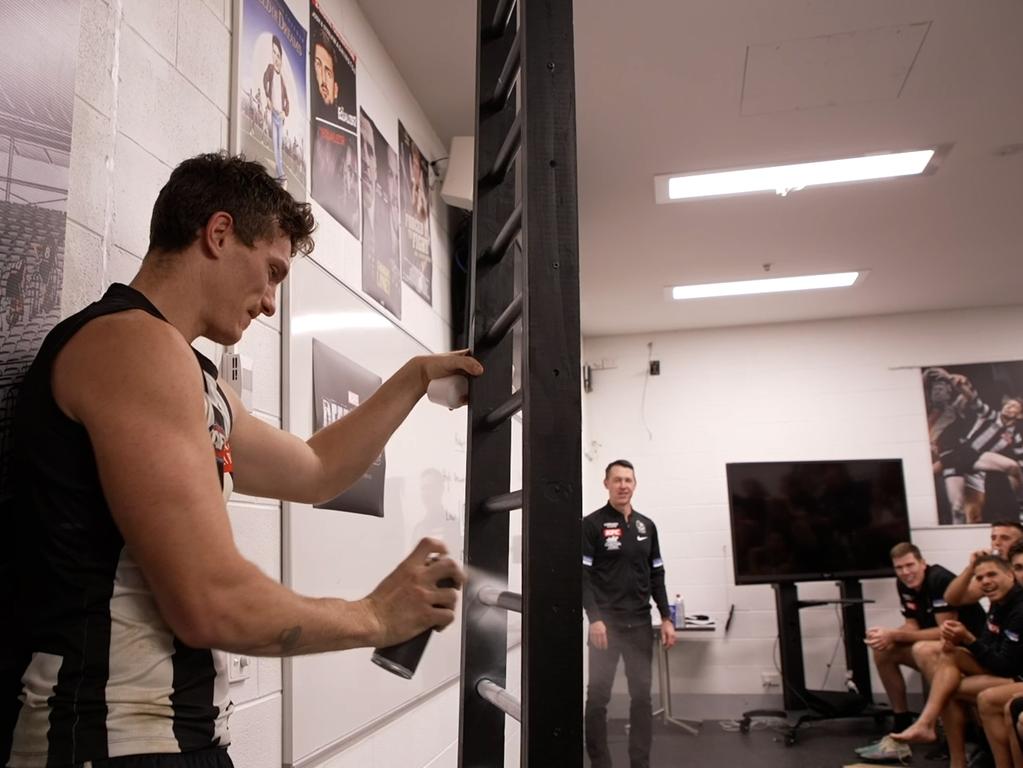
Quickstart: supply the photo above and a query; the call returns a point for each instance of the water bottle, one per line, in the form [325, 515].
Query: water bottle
[680, 612]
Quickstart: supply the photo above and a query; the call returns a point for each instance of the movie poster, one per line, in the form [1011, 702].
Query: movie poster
[416, 260]
[270, 119]
[339, 387]
[38, 57]
[335, 152]
[381, 262]
[974, 417]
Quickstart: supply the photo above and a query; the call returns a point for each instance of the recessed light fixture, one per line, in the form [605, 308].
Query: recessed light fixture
[765, 285]
[783, 179]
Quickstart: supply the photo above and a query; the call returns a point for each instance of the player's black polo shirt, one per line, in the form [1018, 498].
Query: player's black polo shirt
[622, 567]
[999, 649]
[921, 605]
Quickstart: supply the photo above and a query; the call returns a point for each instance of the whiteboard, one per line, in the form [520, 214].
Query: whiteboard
[328, 553]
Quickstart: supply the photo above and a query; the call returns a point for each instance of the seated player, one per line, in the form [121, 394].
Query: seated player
[969, 664]
[921, 589]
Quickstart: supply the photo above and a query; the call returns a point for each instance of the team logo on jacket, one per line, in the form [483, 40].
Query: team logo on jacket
[640, 527]
[993, 628]
[612, 539]
[910, 605]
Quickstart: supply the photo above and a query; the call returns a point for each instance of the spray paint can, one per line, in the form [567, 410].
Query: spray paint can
[403, 659]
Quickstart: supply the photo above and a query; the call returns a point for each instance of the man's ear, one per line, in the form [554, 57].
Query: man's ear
[219, 228]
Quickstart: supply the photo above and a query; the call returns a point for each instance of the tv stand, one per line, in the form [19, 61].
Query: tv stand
[822, 705]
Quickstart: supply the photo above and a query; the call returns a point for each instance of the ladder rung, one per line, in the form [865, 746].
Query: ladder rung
[505, 80]
[500, 20]
[500, 698]
[505, 154]
[503, 323]
[503, 502]
[504, 411]
[505, 237]
[501, 598]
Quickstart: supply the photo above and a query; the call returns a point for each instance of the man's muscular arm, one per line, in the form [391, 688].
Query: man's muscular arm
[134, 384]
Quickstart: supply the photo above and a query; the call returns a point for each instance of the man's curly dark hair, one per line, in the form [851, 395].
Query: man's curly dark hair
[205, 184]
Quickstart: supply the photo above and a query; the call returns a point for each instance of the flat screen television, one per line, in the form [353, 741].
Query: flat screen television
[815, 520]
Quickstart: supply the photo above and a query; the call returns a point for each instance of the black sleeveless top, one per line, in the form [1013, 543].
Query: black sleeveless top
[94, 672]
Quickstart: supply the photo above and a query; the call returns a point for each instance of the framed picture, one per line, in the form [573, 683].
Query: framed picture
[975, 428]
[269, 120]
[334, 126]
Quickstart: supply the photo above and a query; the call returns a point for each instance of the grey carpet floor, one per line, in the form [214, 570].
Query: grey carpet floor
[826, 744]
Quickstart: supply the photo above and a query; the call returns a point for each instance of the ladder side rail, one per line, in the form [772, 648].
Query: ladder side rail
[488, 470]
[552, 648]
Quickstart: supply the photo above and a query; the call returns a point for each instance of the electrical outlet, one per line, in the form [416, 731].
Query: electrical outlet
[240, 669]
[770, 679]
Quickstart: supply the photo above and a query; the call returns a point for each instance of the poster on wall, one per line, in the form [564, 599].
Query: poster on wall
[38, 56]
[381, 262]
[416, 259]
[335, 153]
[269, 119]
[339, 386]
[975, 424]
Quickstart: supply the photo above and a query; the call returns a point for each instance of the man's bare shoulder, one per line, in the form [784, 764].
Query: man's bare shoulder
[125, 353]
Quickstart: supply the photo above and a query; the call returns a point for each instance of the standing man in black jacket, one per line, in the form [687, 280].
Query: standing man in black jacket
[622, 570]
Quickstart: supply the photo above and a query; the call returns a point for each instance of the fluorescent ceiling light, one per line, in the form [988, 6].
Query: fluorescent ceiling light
[765, 285]
[787, 178]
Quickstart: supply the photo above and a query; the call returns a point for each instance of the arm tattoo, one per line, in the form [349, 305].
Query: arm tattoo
[289, 638]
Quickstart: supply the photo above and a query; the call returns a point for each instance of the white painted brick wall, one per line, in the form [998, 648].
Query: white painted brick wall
[837, 389]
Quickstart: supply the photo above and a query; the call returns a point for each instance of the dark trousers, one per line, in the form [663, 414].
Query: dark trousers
[634, 644]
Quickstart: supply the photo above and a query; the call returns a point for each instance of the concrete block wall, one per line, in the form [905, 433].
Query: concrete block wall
[800, 391]
[152, 88]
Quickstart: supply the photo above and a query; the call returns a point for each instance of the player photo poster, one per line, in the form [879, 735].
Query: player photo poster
[416, 260]
[381, 263]
[339, 387]
[270, 123]
[975, 423]
[335, 151]
[38, 58]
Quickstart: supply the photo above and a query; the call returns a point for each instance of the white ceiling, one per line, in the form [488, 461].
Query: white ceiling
[674, 86]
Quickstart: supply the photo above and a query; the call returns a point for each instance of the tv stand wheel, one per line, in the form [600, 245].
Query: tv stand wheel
[790, 738]
[744, 725]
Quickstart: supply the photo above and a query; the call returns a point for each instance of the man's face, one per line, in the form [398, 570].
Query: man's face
[620, 483]
[910, 570]
[941, 392]
[1012, 410]
[250, 279]
[276, 58]
[323, 65]
[369, 156]
[1002, 538]
[1017, 568]
[351, 172]
[994, 582]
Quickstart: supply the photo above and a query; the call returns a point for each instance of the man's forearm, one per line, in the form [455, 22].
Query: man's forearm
[956, 591]
[260, 617]
[348, 447]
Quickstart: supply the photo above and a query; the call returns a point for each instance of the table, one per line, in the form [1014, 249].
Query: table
[664, 676]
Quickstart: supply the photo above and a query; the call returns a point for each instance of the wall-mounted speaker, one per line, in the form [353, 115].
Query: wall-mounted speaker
[458, 187]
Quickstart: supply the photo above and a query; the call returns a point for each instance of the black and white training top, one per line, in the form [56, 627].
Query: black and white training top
[103, 674]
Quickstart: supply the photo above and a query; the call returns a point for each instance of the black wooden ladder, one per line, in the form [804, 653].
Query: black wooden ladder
[524, 275]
